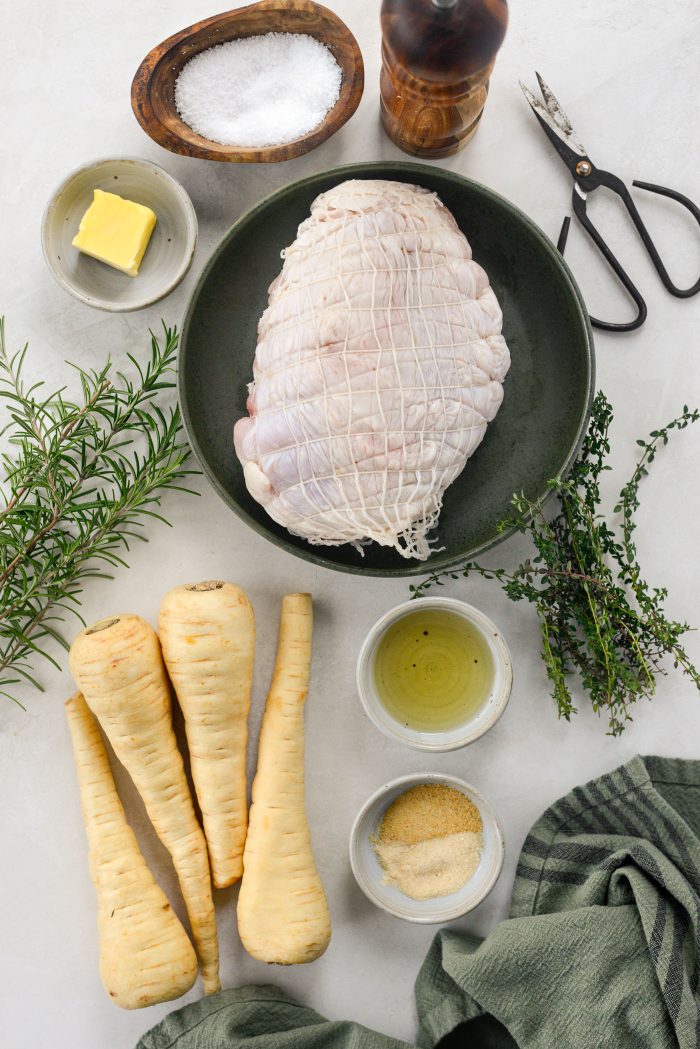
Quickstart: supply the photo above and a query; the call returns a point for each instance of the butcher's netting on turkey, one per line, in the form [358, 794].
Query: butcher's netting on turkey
[378, 367]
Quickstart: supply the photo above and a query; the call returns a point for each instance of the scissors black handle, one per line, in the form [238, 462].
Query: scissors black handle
[594, 178]
[680, 293]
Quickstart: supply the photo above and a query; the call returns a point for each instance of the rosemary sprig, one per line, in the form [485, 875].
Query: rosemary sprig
[598, 617]
[81, 479]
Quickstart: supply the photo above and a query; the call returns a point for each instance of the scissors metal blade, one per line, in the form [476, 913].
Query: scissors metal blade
[555, 123]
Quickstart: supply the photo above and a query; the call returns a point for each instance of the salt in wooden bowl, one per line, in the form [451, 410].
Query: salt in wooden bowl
[153, 87]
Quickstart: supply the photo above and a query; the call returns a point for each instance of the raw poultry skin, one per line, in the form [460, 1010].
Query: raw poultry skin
[379, 365]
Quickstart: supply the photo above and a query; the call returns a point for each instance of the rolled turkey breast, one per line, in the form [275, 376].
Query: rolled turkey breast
[378, 367]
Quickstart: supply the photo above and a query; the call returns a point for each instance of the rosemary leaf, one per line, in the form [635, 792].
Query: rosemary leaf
[81, 479]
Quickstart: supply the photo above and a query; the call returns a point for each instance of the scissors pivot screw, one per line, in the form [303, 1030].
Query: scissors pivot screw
[584, 168]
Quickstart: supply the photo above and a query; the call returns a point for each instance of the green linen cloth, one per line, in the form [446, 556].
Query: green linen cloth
[602, 948]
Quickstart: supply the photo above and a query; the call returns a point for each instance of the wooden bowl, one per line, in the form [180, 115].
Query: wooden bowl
[153, 87]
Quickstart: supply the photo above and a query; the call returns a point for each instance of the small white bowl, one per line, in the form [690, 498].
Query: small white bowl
[483, 720]
[169, 252]
[369, 875]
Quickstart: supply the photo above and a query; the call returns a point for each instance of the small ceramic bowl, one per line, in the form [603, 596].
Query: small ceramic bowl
[486, 716]
[169, 252]
[370, 877]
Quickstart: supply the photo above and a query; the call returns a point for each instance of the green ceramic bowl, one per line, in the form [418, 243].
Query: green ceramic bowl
[548, 390]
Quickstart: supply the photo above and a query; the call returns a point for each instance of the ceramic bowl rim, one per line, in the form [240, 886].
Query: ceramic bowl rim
[190, 243]
[415, 779]
[499, 649]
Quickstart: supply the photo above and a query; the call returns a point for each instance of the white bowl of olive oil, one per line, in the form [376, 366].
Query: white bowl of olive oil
[435, 674]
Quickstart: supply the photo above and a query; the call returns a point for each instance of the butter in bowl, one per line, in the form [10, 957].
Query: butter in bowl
[115, 231]
[434, 674]
[119, 234]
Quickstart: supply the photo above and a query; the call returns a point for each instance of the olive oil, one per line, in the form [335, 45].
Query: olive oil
[433, 670]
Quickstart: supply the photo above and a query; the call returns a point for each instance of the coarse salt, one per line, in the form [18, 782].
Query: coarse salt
[259, 90]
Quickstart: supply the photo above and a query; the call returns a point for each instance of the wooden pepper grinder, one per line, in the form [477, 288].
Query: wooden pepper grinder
[437, 57]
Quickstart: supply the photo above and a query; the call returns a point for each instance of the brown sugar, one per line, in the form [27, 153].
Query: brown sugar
[429, 810]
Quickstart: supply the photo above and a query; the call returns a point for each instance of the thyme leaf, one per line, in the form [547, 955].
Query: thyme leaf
[598, 616]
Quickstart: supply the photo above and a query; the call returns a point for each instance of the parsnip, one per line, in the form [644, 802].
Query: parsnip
[145, 954]
[118, 667]
[282, 909]
[207, 632]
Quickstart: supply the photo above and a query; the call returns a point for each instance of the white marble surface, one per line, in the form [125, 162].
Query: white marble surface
[627, 73]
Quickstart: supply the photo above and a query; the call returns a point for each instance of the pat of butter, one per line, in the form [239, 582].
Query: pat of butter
[115, 231]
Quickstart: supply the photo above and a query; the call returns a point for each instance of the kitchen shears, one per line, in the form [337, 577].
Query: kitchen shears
[587, 178]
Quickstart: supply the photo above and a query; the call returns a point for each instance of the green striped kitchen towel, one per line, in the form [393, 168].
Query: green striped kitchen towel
[602, 949]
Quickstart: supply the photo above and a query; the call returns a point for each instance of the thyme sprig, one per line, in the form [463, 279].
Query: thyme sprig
[598, 617]
[81, 479]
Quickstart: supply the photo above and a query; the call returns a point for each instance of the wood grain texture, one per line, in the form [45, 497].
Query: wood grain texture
[435, 73]
[153, 87]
